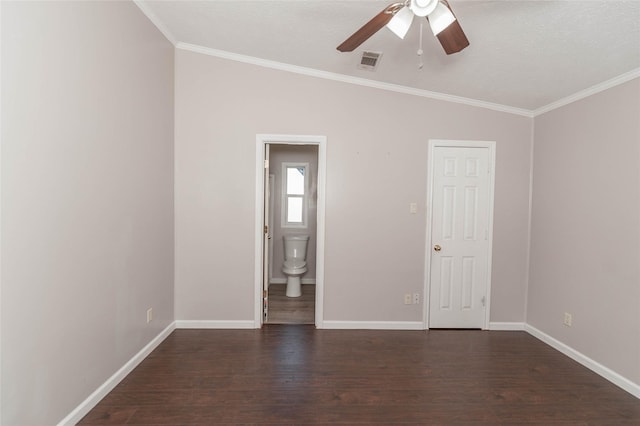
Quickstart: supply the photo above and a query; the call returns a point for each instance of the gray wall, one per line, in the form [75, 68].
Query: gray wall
[585, 249]
[301, 154]
[376, 166]
[87, 202]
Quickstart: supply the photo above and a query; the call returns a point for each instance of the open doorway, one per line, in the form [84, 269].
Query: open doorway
[292, 226]
[290, 200]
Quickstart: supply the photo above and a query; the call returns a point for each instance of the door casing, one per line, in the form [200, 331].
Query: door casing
[433, 143]
[261, 141]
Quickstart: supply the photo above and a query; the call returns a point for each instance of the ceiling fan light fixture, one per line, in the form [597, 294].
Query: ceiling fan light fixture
[398, 17]
[401, 22]
[440, 18]
[423, 7]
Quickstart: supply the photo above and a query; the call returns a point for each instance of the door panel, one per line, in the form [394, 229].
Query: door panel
[459, 237]
[446, 281]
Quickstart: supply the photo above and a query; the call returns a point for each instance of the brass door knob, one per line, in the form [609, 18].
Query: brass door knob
[437, 247]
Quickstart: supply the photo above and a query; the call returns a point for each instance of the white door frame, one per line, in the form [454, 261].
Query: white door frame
[261, 141]
[433, 143]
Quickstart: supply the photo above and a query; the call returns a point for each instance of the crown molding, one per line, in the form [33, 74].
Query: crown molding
[156, 21]
[628, 76]
[616, 81]
[351, 80]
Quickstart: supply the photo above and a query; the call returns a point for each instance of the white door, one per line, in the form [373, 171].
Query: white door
[265, 238]
[461, 197]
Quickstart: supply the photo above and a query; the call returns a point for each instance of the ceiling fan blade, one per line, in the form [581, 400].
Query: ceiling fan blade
[452, 38]
[368, 29]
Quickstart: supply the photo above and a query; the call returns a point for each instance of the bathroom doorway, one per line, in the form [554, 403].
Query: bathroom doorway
[289, 205]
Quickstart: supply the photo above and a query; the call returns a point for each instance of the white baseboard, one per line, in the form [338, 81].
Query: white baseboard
[214, 324]
[373, 325]
[506, 326]
[284, 281]
[92, 400]
[596, 367]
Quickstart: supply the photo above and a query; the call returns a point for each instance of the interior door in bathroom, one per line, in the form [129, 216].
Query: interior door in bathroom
[461, 225]
[266, 238]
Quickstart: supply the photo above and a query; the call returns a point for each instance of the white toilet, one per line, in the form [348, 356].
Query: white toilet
[295, 263]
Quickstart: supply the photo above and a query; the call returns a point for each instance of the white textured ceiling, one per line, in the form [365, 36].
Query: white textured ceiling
[523, 54]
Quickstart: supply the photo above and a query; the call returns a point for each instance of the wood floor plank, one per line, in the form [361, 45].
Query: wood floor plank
[299, 375]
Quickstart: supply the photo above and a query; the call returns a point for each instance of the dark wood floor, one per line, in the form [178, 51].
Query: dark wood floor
[299, 375]
[291, 310]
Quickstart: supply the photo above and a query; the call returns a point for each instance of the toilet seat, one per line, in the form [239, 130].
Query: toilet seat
[294, 267]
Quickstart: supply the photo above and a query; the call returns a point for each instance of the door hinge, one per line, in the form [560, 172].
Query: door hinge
[266, 229]
[266, 164]
[484, 301]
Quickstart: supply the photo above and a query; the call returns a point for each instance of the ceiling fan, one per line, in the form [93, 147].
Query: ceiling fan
[398, 17]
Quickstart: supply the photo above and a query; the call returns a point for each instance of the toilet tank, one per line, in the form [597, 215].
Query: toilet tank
[295, 247]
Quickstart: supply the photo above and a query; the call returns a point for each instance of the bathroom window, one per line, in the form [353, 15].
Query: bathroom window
[294, 195]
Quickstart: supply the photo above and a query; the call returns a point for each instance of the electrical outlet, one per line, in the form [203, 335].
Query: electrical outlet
[149, 315]
[416, 298]
[413, 208]
[407, 299]
[567, 319]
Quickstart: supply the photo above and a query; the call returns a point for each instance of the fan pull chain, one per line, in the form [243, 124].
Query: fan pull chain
[420, 51]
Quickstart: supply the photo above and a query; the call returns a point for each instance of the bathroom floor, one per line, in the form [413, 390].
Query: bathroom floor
[291, 310]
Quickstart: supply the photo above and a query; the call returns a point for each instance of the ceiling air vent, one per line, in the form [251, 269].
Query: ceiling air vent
[369, 60]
